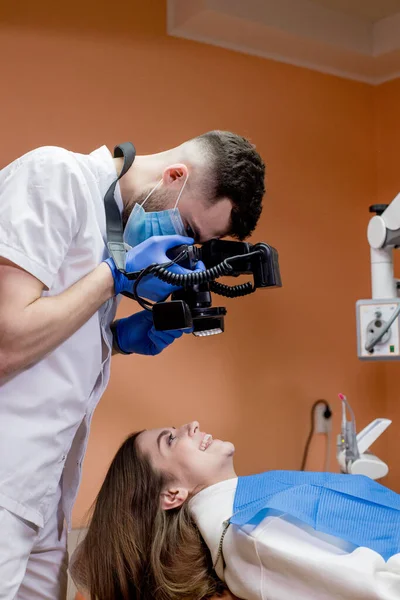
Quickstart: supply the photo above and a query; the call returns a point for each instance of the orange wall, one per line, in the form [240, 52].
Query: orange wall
[81, 79]
[388, 144]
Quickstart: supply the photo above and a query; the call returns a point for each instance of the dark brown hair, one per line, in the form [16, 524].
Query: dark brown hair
[237, 172]
[135, 550]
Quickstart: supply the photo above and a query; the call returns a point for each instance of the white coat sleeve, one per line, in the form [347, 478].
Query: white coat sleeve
[39, 195]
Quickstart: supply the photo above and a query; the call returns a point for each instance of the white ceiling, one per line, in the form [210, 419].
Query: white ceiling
[370, 10]
[355, 39]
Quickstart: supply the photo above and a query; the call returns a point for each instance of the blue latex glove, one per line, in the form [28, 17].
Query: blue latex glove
[137, 334]
[152, 250]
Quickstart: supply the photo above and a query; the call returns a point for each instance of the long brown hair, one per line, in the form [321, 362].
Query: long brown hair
[135, 550]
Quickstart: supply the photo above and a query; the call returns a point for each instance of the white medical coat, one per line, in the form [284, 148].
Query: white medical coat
[52, 224]
[284, 559]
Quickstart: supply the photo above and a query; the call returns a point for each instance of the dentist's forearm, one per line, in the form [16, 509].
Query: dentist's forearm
[28, 333]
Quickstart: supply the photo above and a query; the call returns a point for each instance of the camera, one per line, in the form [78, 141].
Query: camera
[191, 306]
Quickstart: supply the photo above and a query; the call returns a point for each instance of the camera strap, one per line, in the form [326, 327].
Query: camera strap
[114, 225]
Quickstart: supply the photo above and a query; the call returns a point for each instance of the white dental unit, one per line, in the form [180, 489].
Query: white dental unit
[378, 325]
[378, 337]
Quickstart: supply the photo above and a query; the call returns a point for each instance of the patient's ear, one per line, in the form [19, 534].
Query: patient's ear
[173, 497]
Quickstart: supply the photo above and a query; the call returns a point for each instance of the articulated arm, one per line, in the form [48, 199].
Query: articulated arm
[383, 236]
[378, 325]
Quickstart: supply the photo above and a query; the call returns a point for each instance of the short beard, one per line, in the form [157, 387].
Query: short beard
[157, 201]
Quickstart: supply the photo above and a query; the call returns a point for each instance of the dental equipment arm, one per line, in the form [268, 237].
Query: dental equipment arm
[353, 449]
[383, 236]
[378, 326]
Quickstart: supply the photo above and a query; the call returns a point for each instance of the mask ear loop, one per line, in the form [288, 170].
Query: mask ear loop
[182, 188]
[158, 185]
[151, 192]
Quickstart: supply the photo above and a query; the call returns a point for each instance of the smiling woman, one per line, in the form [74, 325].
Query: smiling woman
[190, 459]
[172, 521]
[132, 539]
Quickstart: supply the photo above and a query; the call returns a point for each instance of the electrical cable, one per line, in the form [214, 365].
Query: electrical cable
[232, 291]
[327, 415]
[137, 276]
[192, 278]
[198, 277]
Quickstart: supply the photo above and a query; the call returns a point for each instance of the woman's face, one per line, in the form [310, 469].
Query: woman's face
[192, 459]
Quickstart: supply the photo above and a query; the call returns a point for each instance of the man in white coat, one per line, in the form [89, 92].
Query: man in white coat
[57, 301]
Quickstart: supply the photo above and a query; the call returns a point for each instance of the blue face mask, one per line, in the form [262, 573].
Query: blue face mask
[141, 224]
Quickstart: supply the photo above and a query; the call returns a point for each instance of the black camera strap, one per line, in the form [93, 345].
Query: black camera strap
[114, 226]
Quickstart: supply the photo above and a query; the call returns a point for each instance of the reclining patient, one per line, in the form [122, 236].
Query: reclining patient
[172, 521]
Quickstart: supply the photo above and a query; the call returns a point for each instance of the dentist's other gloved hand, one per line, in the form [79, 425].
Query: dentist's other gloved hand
[152, 250]
[137, 334]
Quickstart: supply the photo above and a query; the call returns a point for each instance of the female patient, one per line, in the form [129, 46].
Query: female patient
[172, 521]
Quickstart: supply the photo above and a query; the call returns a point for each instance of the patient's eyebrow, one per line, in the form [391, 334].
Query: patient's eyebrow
[160, 435]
